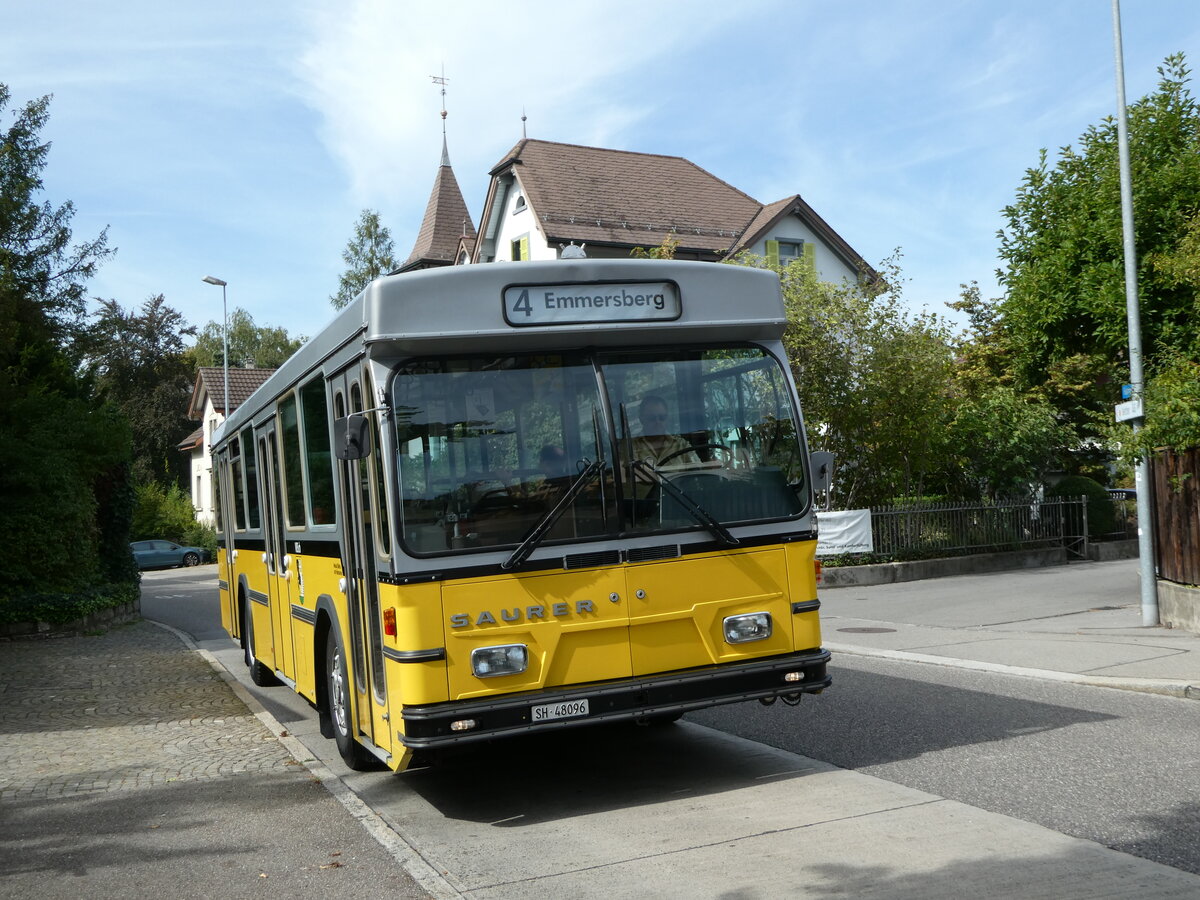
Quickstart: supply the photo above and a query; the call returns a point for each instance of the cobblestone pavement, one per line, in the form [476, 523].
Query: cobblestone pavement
[127, 709]
[130, 768]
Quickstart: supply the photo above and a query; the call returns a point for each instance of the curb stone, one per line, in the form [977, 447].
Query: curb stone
[1179, 689]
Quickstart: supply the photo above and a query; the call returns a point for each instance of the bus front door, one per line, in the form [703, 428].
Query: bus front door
[365, 660]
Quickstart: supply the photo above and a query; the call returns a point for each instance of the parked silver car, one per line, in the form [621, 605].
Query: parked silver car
[158, 554]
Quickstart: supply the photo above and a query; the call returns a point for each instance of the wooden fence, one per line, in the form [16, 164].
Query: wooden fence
[1176, 495]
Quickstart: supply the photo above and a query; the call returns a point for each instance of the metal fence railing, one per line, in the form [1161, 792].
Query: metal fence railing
[924, 529]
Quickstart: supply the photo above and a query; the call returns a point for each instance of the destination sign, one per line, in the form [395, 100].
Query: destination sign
[578, 304]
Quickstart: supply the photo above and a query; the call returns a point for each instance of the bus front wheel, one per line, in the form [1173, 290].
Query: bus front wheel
[354, 754]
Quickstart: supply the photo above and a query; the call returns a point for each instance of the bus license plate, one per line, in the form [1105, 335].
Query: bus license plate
[568, 709]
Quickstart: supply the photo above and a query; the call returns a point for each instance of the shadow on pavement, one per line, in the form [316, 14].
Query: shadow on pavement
[885, 719]
[1074, 874]
[1170, 838]
[584, 771]
[261, 835]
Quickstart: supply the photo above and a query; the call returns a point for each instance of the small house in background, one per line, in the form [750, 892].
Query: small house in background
[544, 196]
[209, 407]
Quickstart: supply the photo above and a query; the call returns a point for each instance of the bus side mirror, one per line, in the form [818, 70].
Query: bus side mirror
[821, 463]
[352, 437]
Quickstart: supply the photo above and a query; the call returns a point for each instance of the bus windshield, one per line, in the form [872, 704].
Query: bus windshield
[488, 446]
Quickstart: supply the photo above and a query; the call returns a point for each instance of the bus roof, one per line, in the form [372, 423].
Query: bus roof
[467, 309]
[584, 302]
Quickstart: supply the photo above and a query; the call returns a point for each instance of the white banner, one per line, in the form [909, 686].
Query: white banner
[844, 531]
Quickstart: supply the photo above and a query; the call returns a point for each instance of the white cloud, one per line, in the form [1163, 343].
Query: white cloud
[368, 66]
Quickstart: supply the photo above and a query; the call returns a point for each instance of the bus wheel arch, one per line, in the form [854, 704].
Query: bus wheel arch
[336, 712]
[260, 673]
[321, 679]
[242, 620]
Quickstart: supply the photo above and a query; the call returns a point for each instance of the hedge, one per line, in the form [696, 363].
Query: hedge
[64, 608]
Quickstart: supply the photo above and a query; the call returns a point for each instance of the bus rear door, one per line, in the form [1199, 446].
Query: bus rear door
[278, 599]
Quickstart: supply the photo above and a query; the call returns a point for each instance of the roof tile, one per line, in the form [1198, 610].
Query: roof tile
[590, 194]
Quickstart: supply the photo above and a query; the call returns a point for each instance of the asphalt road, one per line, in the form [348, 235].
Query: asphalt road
[1115, 767]
[186, 599]
[1118, 768]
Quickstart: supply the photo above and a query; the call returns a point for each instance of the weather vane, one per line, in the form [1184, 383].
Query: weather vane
[442, 80]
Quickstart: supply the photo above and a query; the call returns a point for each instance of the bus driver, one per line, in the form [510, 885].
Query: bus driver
[654, 444]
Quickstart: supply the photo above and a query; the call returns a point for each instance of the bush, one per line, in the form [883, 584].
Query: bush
[64, 608]
[162, 512]
[1102, 518]
[202, 536]
[55, 450]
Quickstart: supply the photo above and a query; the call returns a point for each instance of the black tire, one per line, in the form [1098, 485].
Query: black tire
[354, 754]
[259, 673]
[191, 559]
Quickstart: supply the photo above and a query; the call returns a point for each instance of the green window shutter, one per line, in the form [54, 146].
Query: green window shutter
[772, 253]
[525, 248]
[810, 258]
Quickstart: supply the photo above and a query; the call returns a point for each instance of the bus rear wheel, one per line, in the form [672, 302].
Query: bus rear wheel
[354, 754]
[260, 674]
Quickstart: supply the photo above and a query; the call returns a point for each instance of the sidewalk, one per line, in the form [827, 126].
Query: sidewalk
[1079, 623]
[130, 768]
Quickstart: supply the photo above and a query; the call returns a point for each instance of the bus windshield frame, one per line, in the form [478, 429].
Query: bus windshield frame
[677, 439]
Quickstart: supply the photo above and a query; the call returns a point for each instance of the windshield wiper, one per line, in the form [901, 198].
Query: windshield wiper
[694, 509]
[539, 531]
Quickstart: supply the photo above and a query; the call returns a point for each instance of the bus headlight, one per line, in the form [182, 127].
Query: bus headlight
[748, 627]
[504, 659]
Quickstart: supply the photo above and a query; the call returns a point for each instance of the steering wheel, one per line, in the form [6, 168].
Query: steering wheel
[728, 453]
[495, 500]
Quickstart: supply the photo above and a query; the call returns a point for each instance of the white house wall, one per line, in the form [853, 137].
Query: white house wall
[201, 470]
[830, 266]
[516, 224]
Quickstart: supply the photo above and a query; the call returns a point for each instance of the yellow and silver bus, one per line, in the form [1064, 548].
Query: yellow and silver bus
[499, 499]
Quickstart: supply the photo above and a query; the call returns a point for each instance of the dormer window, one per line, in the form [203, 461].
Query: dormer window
[789, 251]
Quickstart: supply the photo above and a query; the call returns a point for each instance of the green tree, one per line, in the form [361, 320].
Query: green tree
[251, 346]
[43, 277]
[665, 250]
[875, 381]
[369, 254]
[1004, 443]
[1064, 313]
[63, 454]
[1172, 407]
[138, 362]
[1004, 439]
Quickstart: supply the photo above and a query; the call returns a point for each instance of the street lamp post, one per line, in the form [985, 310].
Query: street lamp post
[1133, 319]
[209, 279]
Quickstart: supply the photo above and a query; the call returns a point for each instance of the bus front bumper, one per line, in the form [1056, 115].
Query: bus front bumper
[626, 699]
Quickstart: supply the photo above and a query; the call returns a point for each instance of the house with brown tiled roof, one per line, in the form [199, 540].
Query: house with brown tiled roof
[210, 407]
[544, 196]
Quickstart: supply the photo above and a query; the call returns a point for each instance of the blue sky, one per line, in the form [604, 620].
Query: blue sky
[243, 139]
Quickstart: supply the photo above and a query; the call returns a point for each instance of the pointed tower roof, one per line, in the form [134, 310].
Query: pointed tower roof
[447, 223]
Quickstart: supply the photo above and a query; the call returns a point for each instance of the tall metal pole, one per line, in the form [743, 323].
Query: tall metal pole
[209, 279]
[225, 342]
[1149, 582]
